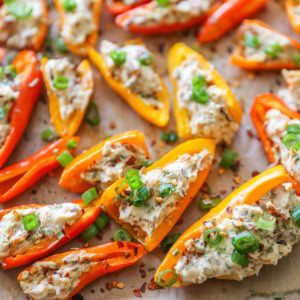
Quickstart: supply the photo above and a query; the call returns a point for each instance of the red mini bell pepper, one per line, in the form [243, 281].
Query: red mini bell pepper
[227, 16]
[106, 259]
[19, 177]
[47, 245]
[31, 82]
[117, 7]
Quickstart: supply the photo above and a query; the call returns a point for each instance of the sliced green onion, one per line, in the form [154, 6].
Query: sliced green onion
[245, 242]
[60, 45]
[146, 59]
[267, 225]
[169, 137]
[293, 128]
[89, 195]
[163, 3]
[10, 71]
[101, 221]
[72, 144]
[207, 204]
[166, 282]
[295, 215]
[297, 59]
[142, 195]
[132, 177]
[92, 116]
[122, 235]
[273, 51]
[20, 10]
[147, 163]
[200, 95]
[251, 41]
[8, 1]
[69, 5]
[229, 158]
[3, 112]
[48, 135]
[290, 140]
[199, 81]
[90, 232]
[212, 236]
[1, 73]
[61, 82]
[119, 57]
[137, 184]
[65, 158]
[166, 189]
[30, 222]
[240, 259]
[169, 241]
[131, 173]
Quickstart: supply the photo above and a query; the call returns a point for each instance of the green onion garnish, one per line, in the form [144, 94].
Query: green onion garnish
[10, 71]
[147, 163]
[142, 195]
[169, 137]
[267, 225]
[90, 232]
[245, 242]
[61, 82]
[295, 215]
[69, 5]
[60, 45]
[163, 3]
[1, 73]
[122, 235]
[273, 51]
[65, 158]
[119, 57]
[146, 59]
[169, 241]
[30, 222]
[293, 128]
[101, 221]
[291, 140]
[251, 41]
[48, 135]
[229, 158]
[207, 204]
[166, 189]
[200, 95]
[166, 282]
[297, 59]
[3, 111]
[19, 10]
[212, 236]
[89, 195]
[240, 259]
[72, 144]
[92, 116]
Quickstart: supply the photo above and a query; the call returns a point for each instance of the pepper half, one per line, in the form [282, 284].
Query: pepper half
[290, 6]
[17, 178]
[227, 16]
[158, 117]
[249, 193]
[31, 82]
[117, 7]
[91, 40]
[72, 124]
[150, 243]
[180, 52]
[105, 259]
[241, 61]
[71, 179]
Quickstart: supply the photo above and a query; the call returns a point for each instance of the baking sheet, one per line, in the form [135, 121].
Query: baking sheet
[116, 117]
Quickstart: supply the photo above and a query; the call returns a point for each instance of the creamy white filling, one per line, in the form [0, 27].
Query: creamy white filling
[53, 280]
[177, 11]
[79, 24]
[20, 33]
[296, 9]
[276, 123]
[14, 239]
[180, 173]
[202, 261]
[115, 161]
[79, 90]
[209, 120]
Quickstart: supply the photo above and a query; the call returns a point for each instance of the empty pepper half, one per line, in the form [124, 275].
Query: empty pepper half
[17, 178]
[129, 72]
[79, 24]
[278, 128]
[292, 8]
[116, 7]
[63, 275]
[32, 231]
[195, 82]
[159, 17]
[149, 202]
[105, 163]
[23, 25]
[227, 16]
[69, 89]
[259, 47]
[20, 85]
[253, 226]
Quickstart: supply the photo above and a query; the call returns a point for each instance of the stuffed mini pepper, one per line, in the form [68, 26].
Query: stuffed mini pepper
[259, 47]
[69, 89]
[20, 85]
[149, 202]
[116, 7]
[23, 23]
[204, 106]
[106, 162]
[63, 275]
[255, 225]
[278, 128]
[293, 11]
[129, 70]
[79, 23]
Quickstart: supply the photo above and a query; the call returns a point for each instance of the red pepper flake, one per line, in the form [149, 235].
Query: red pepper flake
[255, 173]
[143, 287]
[137, 293]
[120, 244]
[102, 290]
[143, 273]
[130, 161]
[93, 291]
[229, 210]
[250, 133]
[152, 285]
[108, 286]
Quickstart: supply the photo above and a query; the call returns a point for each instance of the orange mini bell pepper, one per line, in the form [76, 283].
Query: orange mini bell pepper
[227, 16]
[249, 193]
[116, 7]
[158, 117]
[19, 177]
[241, 61]
[150, 243]
[47, 245]
[71, 179]
[180, 52]
[91, 40]
[72, 124]
[290, 6]
[31, 82]
[105, 259]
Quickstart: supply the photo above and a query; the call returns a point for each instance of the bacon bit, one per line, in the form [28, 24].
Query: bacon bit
[120, 285]
[33, 270]
[152, 285]
[143, 273]
[221, 171]
[143, 287]
[137, 293]
[112, 125]
[130, 161]
[255, 173]
[237, 179]
[108, 286]
[114, 283]
[229, 210]
[250, 133]
[49, 280]
[120, 244]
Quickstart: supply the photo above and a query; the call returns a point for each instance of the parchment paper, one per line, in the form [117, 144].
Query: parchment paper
[116, 117]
